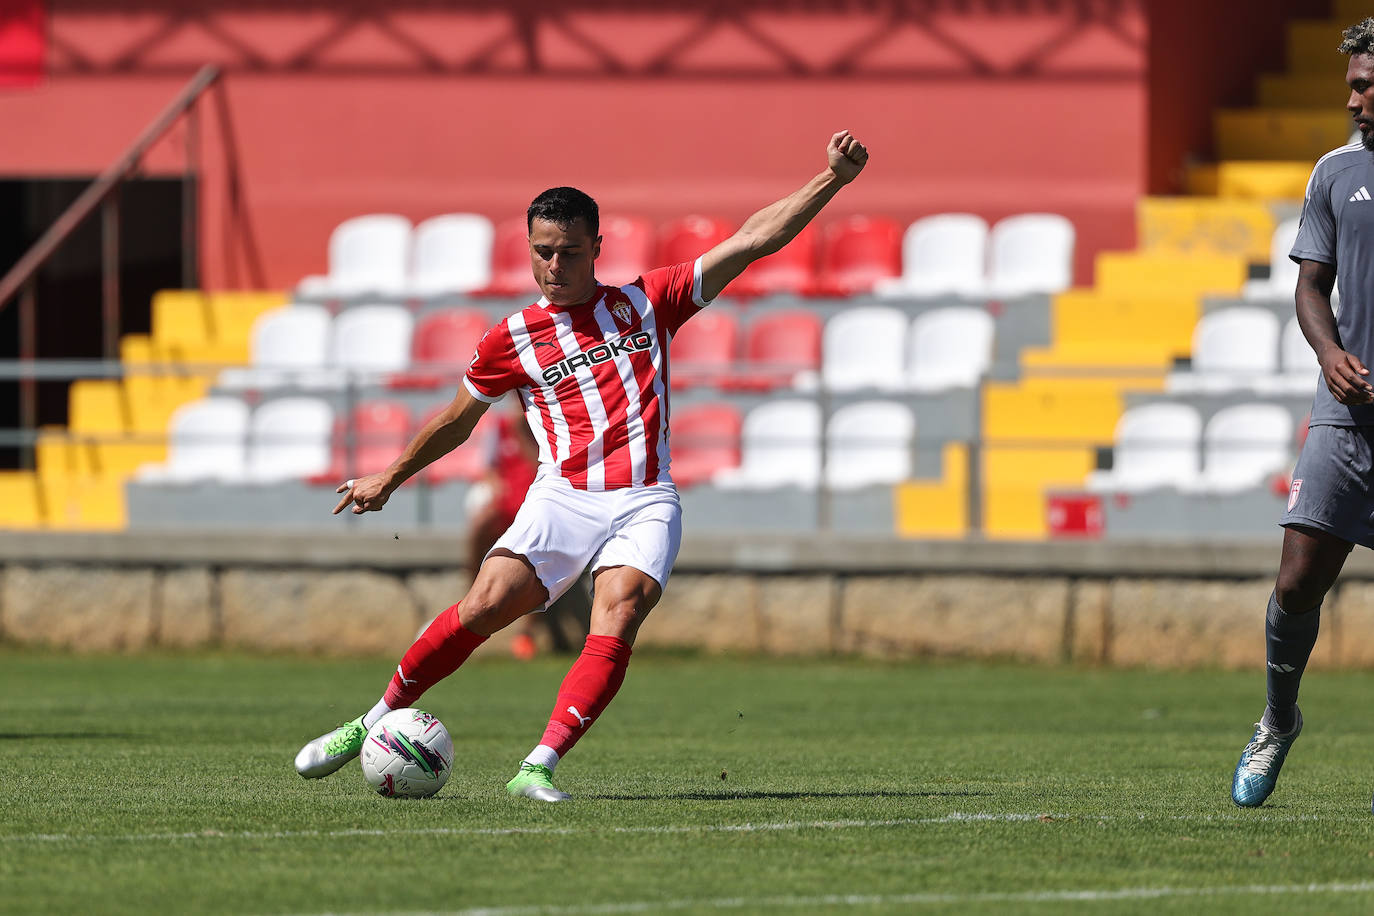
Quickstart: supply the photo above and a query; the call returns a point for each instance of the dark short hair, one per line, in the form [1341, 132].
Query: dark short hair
[563, 206]
[1359, 38]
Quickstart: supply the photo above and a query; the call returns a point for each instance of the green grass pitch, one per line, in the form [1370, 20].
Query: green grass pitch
[164, 784]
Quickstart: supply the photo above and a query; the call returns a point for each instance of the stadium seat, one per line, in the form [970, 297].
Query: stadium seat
[864, 347]
[627, 250]
[1233, 348]
[942, 255]
[949, 348]
[690, 237]
[379, 431]
[867, 443]
[705, 349]
[206, 440]
[510, 261]
[1156, 445]
[779, 346]
[1299, 371]
[791, 270]
[1030, 253]
[288, 344]
[441, 348]
[705, 439]
[451, 254]
[1283, 270]
[857, 254]
[1243, 446]
[366, 343]
[779, 446]
[368, 255]
[289, 438]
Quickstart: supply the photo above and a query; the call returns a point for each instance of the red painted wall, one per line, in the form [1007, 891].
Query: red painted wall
[1041, 114]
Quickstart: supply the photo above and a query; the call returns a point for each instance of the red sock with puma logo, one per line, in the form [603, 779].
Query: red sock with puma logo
[587, 690]
[442, 647]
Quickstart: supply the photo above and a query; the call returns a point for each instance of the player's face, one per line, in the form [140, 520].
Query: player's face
[563, 259]
[1359, 76]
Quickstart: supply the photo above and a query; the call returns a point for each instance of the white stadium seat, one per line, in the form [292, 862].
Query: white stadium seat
[368, 255]
[949, 348]
[365, 343]
[1233, 348]
[451, 254]
[206, 440]
[944, 254]
[1283, 270]
[1242, 446]
[1299, 371]
[780, 445]
[287, 345]
[1030, 253]
[289, 438]
[1156, 446]
[867, 443]
[864, 347]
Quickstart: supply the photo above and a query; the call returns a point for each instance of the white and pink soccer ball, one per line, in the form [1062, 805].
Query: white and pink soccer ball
[407, 754]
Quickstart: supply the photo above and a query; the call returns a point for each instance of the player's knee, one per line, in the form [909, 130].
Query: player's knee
[1299, 590]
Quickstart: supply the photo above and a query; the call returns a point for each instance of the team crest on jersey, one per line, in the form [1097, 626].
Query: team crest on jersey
[622, 312]
[1293, 493]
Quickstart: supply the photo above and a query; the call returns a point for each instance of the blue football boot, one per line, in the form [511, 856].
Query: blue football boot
[1257, 772]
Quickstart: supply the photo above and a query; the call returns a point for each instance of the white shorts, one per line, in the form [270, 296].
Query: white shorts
[562, 531]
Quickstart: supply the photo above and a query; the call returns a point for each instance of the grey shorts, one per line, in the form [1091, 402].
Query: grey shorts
[1333, 484]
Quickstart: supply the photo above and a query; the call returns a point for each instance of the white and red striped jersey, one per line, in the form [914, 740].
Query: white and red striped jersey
[594, 377]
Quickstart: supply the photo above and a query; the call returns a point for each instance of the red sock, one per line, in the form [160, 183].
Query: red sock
[588, 689]
[441, 648]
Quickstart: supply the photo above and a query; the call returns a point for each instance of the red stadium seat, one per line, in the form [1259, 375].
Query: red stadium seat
[627, 250]
[704, 350]
[858, 252]
[380, 429]
[441, 348]
[791, 270]
[705, 439]
[468, 461]
[510, 261]
[689, 238]
[777, 346]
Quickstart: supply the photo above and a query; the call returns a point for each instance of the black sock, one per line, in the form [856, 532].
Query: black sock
[1289, 639]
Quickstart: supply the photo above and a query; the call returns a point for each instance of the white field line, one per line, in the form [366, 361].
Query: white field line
[868, 900]
[774, 827]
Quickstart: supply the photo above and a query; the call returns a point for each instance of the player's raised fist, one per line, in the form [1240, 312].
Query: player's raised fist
[847, 156]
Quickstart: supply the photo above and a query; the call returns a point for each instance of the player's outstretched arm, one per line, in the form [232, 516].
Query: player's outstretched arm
[777, 224]
[1342, 371]
[449, 429]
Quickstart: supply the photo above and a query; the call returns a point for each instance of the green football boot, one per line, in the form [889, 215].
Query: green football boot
[535, 781]
[331, 750]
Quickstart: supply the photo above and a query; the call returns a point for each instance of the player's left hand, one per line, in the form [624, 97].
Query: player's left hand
[847, 156]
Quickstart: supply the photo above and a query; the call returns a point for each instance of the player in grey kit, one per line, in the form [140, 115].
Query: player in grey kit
[1331, 503]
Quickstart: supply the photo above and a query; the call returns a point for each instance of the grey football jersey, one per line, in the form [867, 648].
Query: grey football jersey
[1338, 228]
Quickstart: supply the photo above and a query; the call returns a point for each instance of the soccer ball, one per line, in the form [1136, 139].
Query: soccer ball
[407, 754]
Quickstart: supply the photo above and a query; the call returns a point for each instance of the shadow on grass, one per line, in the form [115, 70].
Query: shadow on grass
[783, 796]
[67, 736]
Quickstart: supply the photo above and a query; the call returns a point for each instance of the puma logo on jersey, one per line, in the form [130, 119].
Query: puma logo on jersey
[542, 343]
[581, 719]
[409, 682]
[595, 355]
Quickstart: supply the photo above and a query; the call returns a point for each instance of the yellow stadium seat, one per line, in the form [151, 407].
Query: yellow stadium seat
[153, 397]
[1350, 11]
[1263, 180]
[1130, 323]
[1166, 275]
[1312, 46]
[180, 318]
[1287, 134]
[137, 349]
[1015, 480]
[21, 504]
[96, 406]
[1202, 180]
[1323, 91]
[84, 502]
[1058, 410]
[1205, 226]
[936, 509]
[233, 313]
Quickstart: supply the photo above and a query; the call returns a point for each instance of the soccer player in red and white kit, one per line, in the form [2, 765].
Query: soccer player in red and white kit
[590, 363]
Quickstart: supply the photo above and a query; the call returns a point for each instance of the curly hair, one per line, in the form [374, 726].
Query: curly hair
[1359, 38]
